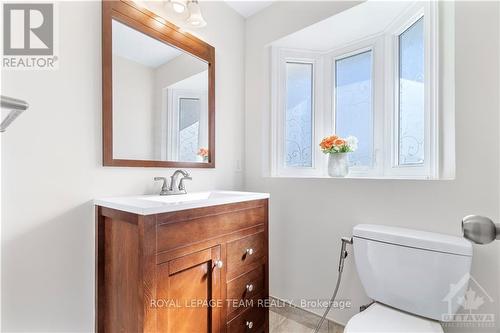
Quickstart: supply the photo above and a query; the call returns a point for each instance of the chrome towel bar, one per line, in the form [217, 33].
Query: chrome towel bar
[16, 107]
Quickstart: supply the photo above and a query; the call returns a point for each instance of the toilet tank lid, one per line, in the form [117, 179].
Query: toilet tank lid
[414, 238]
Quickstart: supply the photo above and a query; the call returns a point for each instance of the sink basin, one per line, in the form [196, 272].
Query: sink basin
[180, 198]
[155, 204]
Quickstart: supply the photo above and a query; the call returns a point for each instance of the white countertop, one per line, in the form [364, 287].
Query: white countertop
[155, 204]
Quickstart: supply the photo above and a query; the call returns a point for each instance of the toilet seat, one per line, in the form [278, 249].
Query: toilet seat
[381, 318]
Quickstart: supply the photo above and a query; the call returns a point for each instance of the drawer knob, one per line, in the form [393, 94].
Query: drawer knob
[250, 251]
[249, 324]
[249, 287]
[219, 263]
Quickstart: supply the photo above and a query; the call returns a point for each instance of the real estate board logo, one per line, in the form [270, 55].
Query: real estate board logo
[470, 306]
[29, 36]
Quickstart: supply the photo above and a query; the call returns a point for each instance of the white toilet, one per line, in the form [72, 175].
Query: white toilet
[408, 273]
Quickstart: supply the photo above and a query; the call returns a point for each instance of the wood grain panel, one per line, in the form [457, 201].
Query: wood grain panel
[147, 271]
[237, 290]
[122, 303]
[182, 251]
[100, 264]
[172, 236]
[256, 315]
[119, 215]
[237, 255]
[185, 262]
[187, 284]
[191, 214]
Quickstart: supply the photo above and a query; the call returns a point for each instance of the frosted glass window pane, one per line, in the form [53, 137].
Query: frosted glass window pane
[353, 104]
[411, 94]
[298, 119]
[189, 127]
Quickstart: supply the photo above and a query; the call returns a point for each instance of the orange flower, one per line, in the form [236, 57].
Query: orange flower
[339, 142]
[328, 142]
[335, 144]
[203, 152]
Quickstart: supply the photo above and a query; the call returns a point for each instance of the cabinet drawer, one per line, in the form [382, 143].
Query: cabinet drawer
[251, 320]
[245, 287]
[245, 251]
[179, 229]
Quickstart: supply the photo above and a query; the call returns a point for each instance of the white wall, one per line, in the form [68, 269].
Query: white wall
[51, 169]
[133, 102]
[308, 216]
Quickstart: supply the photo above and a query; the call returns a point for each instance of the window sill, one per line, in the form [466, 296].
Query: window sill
[359, 177]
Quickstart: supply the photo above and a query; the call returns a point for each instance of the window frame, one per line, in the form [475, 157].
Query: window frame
[385, 101]
[171, 110]
[281, 57]
[375, 45]
[430, 168]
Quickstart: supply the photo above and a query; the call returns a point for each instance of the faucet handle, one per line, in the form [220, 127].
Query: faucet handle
[181, 183]
[164, 186]
[160, 178]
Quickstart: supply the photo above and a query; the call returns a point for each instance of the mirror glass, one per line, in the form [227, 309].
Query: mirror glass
[160, 100]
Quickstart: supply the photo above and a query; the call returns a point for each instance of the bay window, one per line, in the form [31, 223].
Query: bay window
[381, 89]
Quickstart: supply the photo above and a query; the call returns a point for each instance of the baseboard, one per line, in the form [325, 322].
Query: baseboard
[303, 316]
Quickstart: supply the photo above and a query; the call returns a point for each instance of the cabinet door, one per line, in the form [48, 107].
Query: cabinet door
[188, 294]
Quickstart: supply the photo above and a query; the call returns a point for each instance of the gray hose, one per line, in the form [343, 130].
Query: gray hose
[329, 305]
[343, 255]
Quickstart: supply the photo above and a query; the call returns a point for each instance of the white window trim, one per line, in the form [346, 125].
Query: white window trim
[172, 97]
[385, 107]
[430, 168]
[374, 44]
[278, 107]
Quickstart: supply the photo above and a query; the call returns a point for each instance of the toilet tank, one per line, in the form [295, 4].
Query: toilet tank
[415, 271]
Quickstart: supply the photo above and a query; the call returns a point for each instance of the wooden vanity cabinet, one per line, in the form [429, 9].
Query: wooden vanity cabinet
[197, 270]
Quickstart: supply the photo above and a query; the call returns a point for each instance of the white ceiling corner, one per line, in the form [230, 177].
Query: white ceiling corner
[248, 8]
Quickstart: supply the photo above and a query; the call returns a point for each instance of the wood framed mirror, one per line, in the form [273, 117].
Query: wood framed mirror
[158, 87]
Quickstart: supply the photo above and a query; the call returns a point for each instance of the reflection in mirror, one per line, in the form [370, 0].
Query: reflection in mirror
[160, 100]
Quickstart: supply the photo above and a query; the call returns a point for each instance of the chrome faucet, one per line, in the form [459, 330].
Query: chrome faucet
[181, 189]
[173, 189]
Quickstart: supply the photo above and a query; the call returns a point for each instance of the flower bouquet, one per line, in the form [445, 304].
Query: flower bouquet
[338, 150]
[203, 153]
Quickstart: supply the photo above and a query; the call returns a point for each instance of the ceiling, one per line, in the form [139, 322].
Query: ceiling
[360, 21]
[130, 44]
[248, 8]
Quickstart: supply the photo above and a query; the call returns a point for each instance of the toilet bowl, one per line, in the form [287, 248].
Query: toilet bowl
[379, 318]
[411, 275]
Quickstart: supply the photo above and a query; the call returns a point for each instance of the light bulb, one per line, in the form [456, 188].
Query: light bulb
[195, 18]
[178, 6]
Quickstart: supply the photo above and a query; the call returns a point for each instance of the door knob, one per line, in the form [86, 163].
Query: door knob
[250, 251]
[249, 287]
[219, 263]
[480, 229]
[249, 324]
